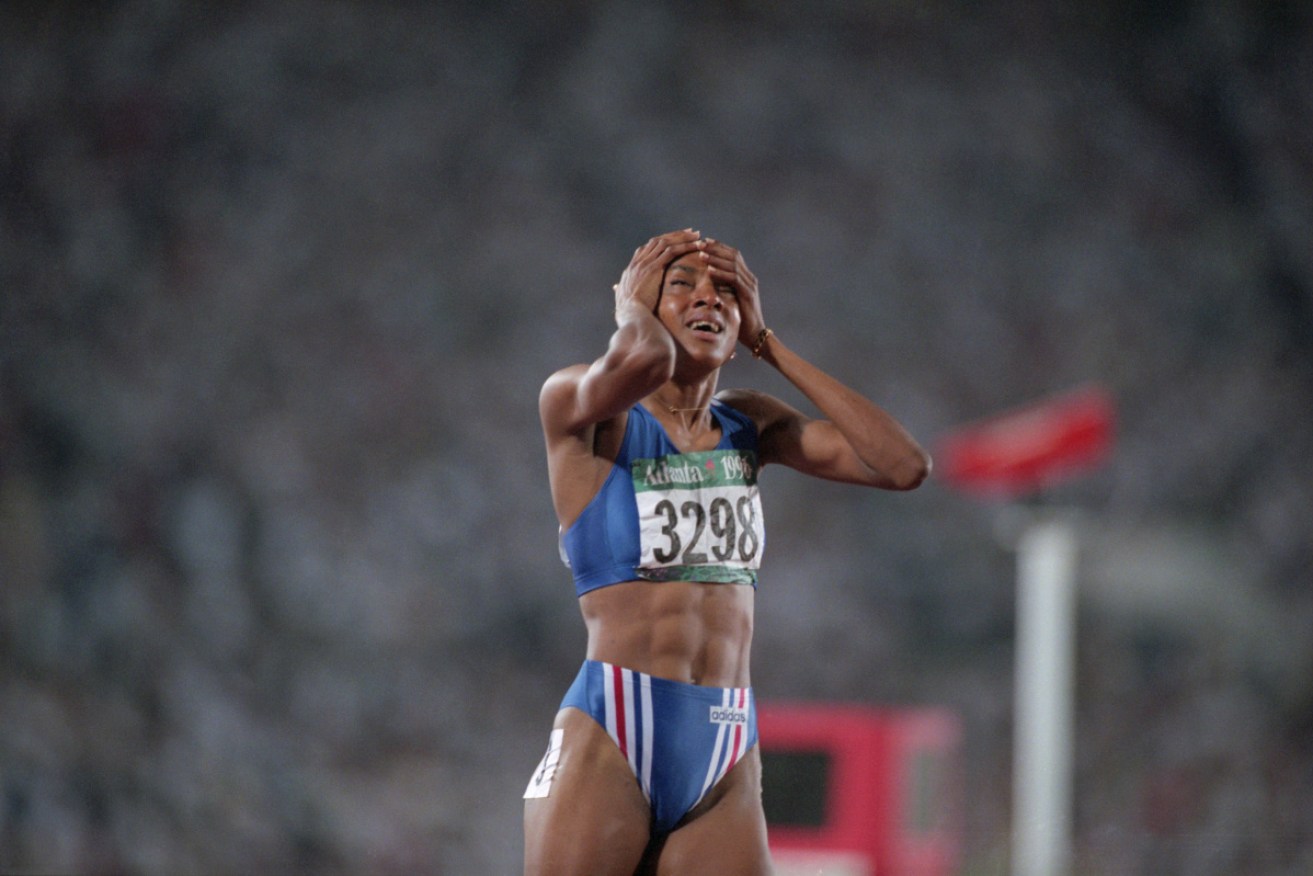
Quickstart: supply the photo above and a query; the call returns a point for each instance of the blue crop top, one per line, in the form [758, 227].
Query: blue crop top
[662, 515]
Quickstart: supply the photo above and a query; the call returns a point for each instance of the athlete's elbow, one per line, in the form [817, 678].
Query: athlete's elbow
[912, 471]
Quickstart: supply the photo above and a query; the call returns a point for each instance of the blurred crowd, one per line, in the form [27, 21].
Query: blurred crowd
[279, 282]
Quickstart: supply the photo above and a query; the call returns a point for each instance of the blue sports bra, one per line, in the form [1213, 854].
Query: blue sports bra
[662, 515]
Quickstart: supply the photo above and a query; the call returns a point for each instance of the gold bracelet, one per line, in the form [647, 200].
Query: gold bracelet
[760, 342]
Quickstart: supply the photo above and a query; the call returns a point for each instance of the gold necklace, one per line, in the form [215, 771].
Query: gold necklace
[679, 412]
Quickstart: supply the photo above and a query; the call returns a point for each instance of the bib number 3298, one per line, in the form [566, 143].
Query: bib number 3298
[726, 527]
[699, 516]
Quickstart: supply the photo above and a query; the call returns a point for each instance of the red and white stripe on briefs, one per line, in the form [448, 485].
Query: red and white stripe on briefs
[630, 722]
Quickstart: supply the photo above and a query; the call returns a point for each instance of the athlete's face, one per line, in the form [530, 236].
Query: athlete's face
[701, 314]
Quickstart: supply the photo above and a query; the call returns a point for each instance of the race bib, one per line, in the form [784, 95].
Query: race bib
[540, 784]
[699, 517]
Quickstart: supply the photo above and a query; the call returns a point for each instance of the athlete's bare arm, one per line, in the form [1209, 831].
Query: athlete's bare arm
[858, 443]
[578, 401]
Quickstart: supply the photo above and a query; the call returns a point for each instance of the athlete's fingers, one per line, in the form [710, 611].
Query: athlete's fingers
[671, 238]
[722, 251]
[641, 280]
[669, 247]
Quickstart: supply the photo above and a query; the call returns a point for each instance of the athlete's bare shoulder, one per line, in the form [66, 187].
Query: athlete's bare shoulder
[559, 396]
[564, 378]
[762, 408]
[779, 425]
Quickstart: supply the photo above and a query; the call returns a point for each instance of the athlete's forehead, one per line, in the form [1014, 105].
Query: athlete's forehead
[688, 265]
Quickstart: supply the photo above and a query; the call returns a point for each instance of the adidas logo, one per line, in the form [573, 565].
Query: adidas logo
[728, 715]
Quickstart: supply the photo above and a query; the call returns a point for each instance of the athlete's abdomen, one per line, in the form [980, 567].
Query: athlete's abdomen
[697, 633]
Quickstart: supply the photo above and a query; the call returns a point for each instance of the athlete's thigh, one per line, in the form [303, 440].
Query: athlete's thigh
[594, 819]
[725, 834]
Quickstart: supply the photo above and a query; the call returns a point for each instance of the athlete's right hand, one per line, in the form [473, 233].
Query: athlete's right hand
[640, 284]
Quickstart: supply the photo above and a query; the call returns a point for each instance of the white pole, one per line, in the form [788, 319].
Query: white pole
[1041, 780]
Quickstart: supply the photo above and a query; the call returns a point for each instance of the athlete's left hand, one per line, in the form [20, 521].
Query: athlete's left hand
[728, 267]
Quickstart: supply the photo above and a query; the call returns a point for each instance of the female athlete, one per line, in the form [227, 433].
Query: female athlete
[652, 765]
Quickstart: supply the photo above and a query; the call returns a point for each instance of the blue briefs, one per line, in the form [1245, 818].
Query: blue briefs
[680, 739]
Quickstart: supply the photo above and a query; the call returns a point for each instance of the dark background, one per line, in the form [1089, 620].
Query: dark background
[279, 283]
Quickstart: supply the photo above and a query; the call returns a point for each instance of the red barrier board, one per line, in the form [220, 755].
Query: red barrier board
[857, 791]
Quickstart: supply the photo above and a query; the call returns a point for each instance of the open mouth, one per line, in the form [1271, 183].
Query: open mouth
[704, 325]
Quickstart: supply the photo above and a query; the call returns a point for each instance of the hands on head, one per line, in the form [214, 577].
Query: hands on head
[641, 282]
